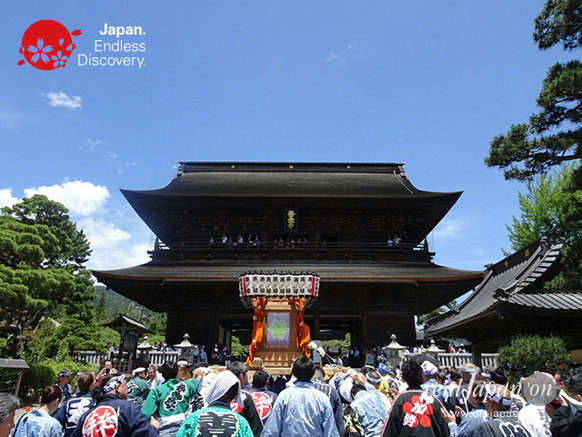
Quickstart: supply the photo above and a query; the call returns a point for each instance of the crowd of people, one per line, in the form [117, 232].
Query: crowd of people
[197, 400]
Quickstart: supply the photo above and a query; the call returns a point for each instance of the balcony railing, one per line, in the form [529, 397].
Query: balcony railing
[275, 246]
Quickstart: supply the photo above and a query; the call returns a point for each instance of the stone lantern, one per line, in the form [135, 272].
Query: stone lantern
[185, 348]
[394, 350]
[433, 349]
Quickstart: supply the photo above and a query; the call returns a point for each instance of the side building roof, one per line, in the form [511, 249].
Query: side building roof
[517, 281]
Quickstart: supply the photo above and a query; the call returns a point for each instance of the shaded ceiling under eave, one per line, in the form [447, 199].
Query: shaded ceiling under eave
[439, 284]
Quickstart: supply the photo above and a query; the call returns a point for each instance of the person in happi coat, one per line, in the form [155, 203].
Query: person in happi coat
[415, 412]
[81, 402]
[137, 388]
[502, 421]
[218, 420]
[170, 401]
[301, 410]
[112, 414]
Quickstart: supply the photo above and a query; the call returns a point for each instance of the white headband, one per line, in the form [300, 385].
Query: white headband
[372, 380]
[496, 398]
[113, 383]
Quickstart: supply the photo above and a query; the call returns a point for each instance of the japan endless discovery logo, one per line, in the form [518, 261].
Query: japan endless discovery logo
[48, 45]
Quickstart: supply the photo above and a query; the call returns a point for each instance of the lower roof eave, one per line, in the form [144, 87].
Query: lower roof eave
[447, 330]
[146, 273]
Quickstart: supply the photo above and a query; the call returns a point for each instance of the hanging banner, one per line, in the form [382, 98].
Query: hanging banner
[278, 329]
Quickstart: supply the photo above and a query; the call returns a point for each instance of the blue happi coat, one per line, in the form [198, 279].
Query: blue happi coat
[301, 411]
[115, 417]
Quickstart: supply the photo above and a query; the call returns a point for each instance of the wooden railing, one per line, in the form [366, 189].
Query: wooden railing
[160, 357]
[457, 360]
[153, 357]
[217, 246]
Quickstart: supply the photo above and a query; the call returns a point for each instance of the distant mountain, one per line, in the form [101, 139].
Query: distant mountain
[116, 303]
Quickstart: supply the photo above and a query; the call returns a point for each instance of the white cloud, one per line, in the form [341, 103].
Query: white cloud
[102, 234]
[11, 120]
[126, 255]
[95, 144]
[113, 245]
[6, 197]
[339, 58]
[82, 198]
[450, 229]
[103, 148]
[61, 99]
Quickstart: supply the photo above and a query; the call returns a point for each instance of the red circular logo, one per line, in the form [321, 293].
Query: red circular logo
[101, 422]
[47, 45]
[417, 411]
[262, 404]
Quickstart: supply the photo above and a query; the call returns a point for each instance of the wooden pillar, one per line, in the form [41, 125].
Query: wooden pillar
[18, 381]
[316, 324]
[169, 326]
[364, 328]
[476, 355]
[216, 326]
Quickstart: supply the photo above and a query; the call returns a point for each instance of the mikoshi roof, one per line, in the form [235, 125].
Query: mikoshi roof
[517, 281]
[284, 180]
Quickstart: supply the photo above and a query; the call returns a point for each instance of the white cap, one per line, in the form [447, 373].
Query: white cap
[429, 368]
[138, 370]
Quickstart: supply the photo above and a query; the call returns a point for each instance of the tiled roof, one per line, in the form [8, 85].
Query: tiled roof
[283, 180]
[515, 280]
[327, 272]
[554, 301]
[121, 318]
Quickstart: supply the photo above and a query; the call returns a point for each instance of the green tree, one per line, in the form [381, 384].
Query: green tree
[554, 134]
[423, 318]
[529, 353]
[236, 347]
[41, 273]
[549, 203]
[101, 309]
[157, 323]
[71, 247]
[342, 345]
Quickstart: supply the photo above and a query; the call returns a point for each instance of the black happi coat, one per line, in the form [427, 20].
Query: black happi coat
[416, 413]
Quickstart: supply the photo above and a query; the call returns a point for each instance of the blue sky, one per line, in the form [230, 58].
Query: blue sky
[426, 83]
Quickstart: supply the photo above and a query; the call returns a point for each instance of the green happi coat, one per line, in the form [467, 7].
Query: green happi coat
[137, 391]
[216, 420]
[170, 398]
